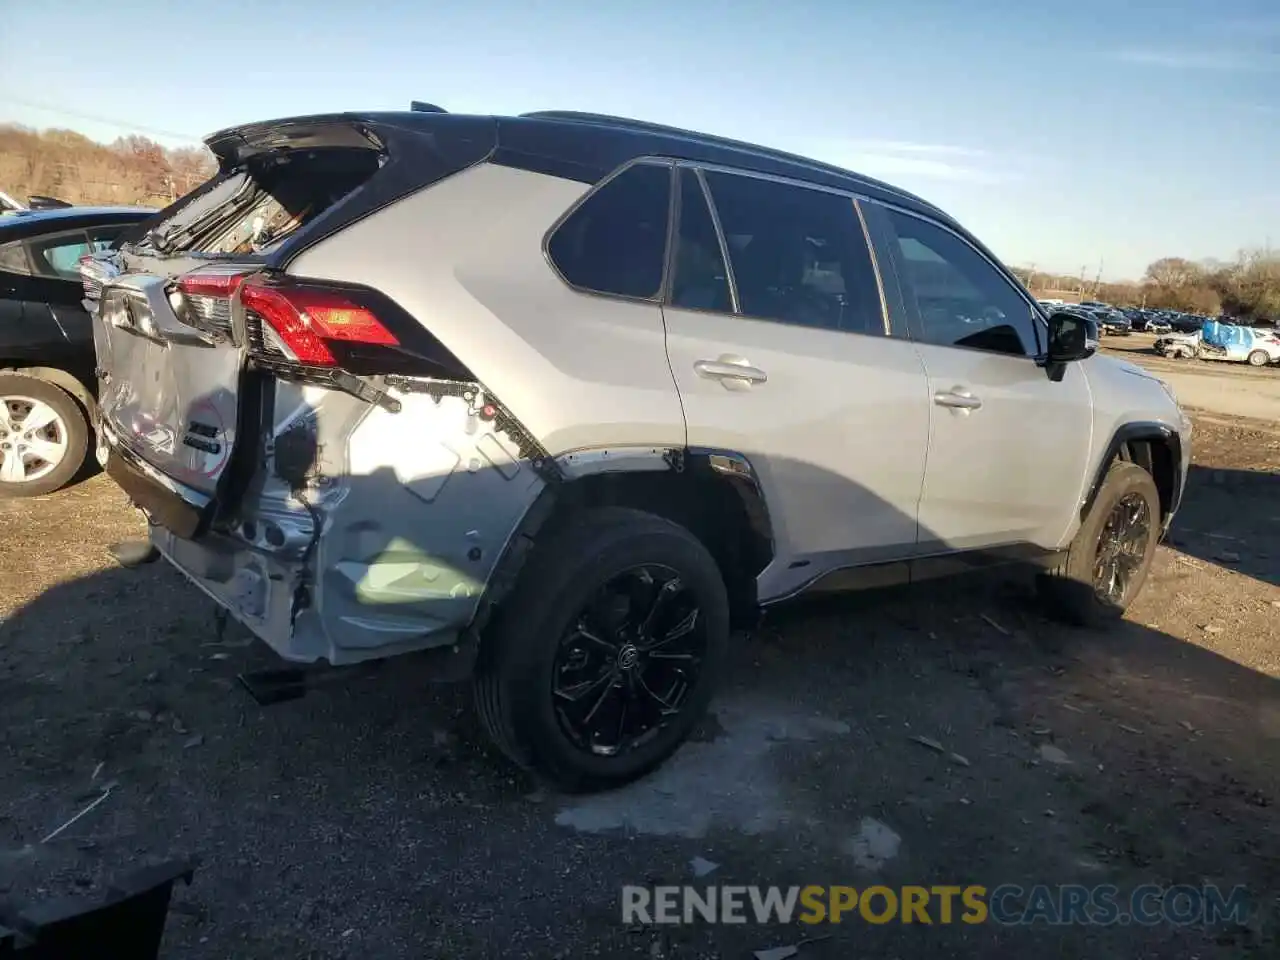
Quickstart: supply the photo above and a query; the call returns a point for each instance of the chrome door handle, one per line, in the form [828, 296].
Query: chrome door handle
[957, 398]
[727, 367]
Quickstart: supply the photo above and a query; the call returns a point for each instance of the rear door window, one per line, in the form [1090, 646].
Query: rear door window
[798, 255]
[59, 255]
[101, 238]
[615, 242]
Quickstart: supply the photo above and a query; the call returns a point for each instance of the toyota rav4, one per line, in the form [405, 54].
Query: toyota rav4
[563, 398]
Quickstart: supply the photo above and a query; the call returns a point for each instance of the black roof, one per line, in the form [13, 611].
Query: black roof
[28, 223]
[578, 146]
[605, 141]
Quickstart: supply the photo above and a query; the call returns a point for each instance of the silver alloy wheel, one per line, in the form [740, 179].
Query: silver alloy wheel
[33, 439]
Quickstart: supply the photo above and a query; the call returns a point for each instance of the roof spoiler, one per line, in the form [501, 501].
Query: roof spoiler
[420, 106]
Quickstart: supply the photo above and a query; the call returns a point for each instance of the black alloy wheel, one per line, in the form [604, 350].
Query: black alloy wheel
[626, 665]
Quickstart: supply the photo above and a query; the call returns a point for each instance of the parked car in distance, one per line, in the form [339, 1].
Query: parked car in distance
[1178, 346]
[1232, 342]
[1108, 319]
[1239, 342]
[47, 383]
[560, 398]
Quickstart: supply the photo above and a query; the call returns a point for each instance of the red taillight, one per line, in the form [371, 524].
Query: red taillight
[307, 319]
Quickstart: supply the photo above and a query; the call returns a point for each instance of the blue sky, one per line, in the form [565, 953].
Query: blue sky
[1066, 135]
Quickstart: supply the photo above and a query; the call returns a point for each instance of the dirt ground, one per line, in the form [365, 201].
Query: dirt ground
[370, 820]
[1234, 389]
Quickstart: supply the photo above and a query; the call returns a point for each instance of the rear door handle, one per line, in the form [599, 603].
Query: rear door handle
[729, 369]
[958, 398]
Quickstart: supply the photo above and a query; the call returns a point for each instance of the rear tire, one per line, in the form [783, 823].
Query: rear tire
[554, 636]
[1072, 589]
[1259, 358]
[67, 432]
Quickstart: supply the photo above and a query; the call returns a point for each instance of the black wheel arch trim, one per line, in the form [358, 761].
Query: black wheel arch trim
[725, 466]
[1149, 431]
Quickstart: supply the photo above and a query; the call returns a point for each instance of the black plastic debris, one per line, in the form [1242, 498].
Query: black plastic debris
[127, 924]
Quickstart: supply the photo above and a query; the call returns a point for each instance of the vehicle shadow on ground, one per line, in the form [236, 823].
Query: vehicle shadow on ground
[375, 808]
[1222, 514]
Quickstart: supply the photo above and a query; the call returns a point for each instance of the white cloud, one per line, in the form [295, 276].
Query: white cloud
[901, 160]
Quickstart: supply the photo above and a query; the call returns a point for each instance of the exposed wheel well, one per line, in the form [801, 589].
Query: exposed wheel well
[1157, 457]
[725, 512]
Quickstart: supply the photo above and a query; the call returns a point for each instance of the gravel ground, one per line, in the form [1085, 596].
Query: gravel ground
[1233, 389]
[370, 820]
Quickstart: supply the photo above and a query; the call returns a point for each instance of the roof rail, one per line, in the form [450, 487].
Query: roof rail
[644, 126]
[421, 106]
[612, 121]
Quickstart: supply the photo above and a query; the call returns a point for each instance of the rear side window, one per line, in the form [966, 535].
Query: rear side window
[798, 255]
[616, 241]
[13, 257]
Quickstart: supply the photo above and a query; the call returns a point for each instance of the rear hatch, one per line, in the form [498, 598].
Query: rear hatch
[195, 318]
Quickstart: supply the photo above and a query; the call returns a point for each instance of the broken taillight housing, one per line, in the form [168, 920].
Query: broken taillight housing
[315, 325]
[309, 320]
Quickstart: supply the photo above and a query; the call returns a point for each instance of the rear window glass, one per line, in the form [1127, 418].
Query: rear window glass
[616, 241]
[255, 209]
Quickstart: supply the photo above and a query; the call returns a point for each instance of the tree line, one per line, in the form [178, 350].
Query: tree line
[131, 171]
[1247, 287]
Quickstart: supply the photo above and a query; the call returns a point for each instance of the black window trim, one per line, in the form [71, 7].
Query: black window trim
[677, 200]
[672, 185]
[702, 168]
[913, 308]
[734, 299]
[875, 267]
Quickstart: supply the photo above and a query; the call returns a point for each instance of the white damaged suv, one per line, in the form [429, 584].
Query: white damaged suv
[562, 398]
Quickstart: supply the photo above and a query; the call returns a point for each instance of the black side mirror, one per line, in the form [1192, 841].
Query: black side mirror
[1071, 338]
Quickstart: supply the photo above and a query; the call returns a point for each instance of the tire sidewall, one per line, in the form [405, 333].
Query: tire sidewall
[1122, 479]
[1258, 363]
[73, 418]
[530, 676]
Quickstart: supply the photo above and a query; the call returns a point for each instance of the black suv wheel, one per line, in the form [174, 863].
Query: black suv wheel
[604, 657]
[1112, 552]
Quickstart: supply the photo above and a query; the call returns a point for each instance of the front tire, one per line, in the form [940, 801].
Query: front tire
[43, 436]
[1108, 561]
[1259, 358]
[604, 657]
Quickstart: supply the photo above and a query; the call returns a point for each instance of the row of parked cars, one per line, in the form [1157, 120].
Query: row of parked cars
[557, 401]
[1122, 321]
